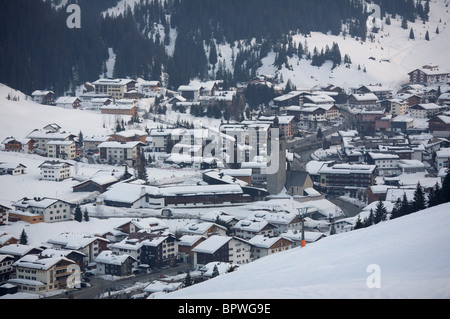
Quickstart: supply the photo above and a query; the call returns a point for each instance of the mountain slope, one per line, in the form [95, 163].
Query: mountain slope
[411, 253]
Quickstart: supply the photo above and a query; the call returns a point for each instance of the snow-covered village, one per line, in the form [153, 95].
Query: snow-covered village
[325, 175]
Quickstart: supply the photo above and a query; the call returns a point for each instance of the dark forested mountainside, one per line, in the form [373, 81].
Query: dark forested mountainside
[38, 51]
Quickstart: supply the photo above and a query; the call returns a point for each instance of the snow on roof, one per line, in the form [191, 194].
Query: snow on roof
[66, 100]
[365, 97]
[265, 241]
[50, 252]
[36, 202]
[114, 82]
[348, 169]
[131, 133]
[393, 194]
[40, 93]
[70, 241]
[251, 225]
[11, 165]
[113, 144]
[212, 244]
[54, 164]
[444, 118]
[189, 240]
[410, 163]
[443, 152]
[42, 134]
[16, 249]
[426, 106]
[34, 262]
[111, 258]
[378, 156]
[321, 98]
[273, 218]
[198, 228]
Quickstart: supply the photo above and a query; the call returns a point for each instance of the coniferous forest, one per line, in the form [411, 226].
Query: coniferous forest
[38, 51]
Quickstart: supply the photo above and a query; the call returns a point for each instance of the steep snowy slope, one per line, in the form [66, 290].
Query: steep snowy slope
[21, 116]
[402, 258]
[395, 55]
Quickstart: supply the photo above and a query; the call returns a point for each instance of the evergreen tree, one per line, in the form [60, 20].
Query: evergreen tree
[380, 213]
[370, 220]
[445, 191]
[358, 223]
[78, 216]
[411, 34]
[86, 215]
[404, 23]
[319, 133]
[419, 199]
[215, 272]
[23, 240]
[188, 280]
[405, 207]
[427, 36]
[396, 211]
[434, 196]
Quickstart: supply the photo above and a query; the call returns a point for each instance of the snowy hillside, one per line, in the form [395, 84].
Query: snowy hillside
[21, 116]
[408, 257]
[387, 58]
[395, 55]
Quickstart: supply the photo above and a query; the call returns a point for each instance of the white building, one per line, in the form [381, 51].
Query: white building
[12, 169]
[443, 158]
[55, 171]
[53, 210]
[118, 153]
[268, 245]
[387, 164]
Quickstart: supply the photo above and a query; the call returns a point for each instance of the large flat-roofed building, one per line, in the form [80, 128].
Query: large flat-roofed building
[116, 88]
[347, 175]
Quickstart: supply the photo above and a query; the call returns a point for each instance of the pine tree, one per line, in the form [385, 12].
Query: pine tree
[86, 215]
[419, 199]
[380, 213]
[369, 221]
[396, 211]
[445, 191]
[188, 280]
[405, 207]
[434, 196]
[78, 216]
[404, 23]
[427, 36]
[23, 238]
[215, 272]
[358, 223]
[411, 34]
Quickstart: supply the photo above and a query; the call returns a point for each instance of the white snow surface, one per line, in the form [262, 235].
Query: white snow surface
[410, 255]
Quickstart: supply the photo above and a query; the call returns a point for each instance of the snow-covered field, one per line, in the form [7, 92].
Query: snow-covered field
[398, 259]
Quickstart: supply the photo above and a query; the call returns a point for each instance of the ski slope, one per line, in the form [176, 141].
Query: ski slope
[398, 259]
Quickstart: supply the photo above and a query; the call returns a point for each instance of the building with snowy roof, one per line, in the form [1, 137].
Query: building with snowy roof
[429, 75]
[138, 196]
[40, 275]
[111, 263]
[267, 245]
[222, 249]
[36, 210]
